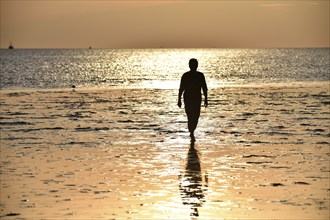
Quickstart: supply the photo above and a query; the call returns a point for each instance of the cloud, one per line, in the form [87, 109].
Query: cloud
[313, 3]
[276, 5]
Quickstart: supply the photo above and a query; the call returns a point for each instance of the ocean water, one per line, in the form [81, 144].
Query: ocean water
[158, 68]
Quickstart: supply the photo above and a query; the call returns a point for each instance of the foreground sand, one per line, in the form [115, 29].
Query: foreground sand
[125, 154]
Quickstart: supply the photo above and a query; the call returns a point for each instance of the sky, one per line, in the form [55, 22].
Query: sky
[160, 23]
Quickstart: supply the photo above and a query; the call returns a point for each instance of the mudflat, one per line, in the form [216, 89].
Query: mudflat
[262, 152]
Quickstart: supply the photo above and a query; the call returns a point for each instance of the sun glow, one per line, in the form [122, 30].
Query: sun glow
[173, 64]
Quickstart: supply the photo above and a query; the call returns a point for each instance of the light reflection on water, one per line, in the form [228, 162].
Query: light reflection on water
[158, 68]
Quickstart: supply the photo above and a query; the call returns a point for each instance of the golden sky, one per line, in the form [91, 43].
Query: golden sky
[171, 24]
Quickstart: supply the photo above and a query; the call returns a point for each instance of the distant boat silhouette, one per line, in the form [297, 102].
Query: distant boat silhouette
[11, 46]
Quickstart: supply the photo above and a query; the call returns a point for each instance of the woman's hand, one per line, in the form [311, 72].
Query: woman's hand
[179, 103]
[206, 103]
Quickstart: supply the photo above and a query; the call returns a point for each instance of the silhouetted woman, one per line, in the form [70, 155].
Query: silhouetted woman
[192, 83]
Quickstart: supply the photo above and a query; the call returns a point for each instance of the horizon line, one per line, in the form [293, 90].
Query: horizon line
[146, 48]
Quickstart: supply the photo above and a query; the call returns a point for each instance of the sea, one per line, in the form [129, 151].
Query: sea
[158, 68]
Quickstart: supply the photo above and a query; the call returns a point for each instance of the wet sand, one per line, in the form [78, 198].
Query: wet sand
[261, 153]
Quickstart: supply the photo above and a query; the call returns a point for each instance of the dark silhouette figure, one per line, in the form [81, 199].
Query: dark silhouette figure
[191, 183]
[192, 83]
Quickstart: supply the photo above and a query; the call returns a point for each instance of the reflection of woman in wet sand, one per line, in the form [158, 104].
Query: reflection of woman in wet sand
[192, 83]
[191, 184]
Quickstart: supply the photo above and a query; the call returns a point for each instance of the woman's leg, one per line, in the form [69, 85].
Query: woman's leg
[193, 113]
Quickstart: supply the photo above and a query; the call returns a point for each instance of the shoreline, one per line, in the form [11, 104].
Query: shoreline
[225, 86]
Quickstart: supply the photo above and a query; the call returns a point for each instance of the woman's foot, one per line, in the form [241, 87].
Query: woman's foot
[192, 136]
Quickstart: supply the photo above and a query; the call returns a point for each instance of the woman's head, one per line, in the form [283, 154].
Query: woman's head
[193, 64]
